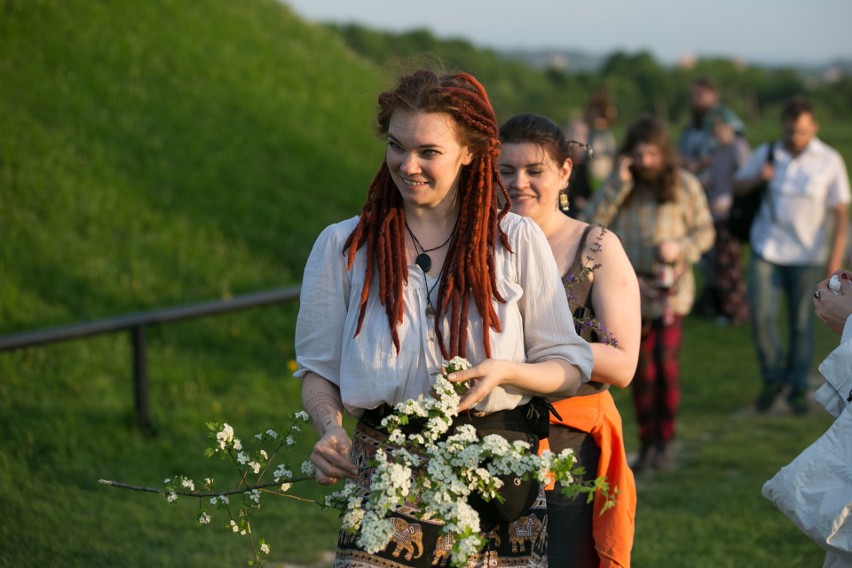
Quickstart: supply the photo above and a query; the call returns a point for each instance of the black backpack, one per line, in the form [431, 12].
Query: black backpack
[745, 207]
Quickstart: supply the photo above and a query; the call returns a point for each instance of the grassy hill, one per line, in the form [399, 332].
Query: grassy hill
[157, 153]
[189, 139]
[163, 152]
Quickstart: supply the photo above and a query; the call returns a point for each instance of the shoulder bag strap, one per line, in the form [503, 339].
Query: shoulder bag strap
[767, 195]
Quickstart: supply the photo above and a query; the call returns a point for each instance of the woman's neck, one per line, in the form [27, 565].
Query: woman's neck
[432, 221]
[564, 238]
[552, 223]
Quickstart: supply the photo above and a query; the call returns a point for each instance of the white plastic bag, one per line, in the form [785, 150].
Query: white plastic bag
[815, 489]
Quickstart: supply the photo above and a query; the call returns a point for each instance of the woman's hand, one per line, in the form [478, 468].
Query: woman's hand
[669, 251]
[480, 380]
[833, 308]
[623, 167]
[330, 457]
[553, 377]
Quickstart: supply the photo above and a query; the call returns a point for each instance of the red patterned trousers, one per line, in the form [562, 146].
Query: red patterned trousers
[656, 386]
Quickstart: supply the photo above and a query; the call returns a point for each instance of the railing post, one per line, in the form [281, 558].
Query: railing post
[140, 379]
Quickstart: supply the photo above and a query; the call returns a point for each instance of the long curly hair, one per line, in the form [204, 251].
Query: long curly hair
[649, 130]
[468, 270]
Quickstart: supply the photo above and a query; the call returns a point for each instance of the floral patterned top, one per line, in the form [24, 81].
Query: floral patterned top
[578, 283]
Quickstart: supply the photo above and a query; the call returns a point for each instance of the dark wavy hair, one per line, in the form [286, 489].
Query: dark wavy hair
[468, 271]
[539, 130]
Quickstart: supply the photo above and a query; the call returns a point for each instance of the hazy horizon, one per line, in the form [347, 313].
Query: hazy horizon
[757, 31]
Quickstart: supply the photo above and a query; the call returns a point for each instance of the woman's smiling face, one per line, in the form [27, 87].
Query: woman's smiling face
[424, 157]
[532, 178]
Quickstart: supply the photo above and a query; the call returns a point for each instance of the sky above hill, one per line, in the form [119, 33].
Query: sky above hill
[758, 31]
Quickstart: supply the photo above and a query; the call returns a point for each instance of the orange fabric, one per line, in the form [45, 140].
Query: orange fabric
[613, 531]
[551, 481]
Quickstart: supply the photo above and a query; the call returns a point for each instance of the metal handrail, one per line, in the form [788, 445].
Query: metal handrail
[136, 324]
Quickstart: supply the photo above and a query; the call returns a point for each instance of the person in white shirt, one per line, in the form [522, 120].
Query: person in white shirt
[434, 267]
[814, 491]
[798, 237]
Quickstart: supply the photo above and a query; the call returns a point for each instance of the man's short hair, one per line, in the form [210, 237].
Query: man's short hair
[705, 82]
[796, 107]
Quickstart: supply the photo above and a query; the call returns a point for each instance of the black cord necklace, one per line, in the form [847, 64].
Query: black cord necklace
[423, 260]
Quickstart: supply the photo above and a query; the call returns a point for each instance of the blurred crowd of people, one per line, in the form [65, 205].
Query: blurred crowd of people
[680, 205]
[797, 237]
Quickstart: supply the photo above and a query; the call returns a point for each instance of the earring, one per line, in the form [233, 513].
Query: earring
[563, 201]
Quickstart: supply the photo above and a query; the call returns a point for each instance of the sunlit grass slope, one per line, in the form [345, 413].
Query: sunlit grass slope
[206, 141]
[156, 153]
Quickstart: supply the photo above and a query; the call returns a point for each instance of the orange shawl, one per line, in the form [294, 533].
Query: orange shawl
[613, 531]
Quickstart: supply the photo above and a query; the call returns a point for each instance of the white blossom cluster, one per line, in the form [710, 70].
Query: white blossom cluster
[179, 483]
[225, 438]
[282, 473]
[221, 500]
[438, 473]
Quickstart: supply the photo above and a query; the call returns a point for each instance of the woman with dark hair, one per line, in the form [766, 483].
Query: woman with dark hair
[600, 284]
[660, 213]
[432, 268]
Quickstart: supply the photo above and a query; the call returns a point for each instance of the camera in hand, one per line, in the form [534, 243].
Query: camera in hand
[664, 275]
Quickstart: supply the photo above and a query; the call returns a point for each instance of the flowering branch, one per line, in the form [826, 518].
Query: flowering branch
[429, 466]
[252, 465]
[438, 473]
[203, 494]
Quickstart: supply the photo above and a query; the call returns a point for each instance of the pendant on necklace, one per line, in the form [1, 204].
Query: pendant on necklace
[430, 311]
[423, 261]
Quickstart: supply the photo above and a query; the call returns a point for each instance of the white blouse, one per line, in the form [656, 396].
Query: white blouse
[535, 319]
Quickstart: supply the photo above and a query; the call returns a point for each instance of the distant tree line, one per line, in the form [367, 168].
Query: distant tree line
[636, 82]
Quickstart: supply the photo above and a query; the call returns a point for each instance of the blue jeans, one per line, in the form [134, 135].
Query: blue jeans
[766, 282]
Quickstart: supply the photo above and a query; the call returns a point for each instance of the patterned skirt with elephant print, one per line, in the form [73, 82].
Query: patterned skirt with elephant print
[419, 543]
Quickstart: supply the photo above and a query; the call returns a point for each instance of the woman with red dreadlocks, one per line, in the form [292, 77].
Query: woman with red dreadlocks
[432, 268]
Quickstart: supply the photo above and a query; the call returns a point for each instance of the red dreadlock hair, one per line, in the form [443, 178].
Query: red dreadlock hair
[469, 266]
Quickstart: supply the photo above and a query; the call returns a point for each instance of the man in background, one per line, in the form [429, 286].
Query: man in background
[797, 238]
[697, 143]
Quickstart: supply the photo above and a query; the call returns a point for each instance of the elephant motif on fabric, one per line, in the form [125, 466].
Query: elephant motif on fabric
[523, 530]
[443, 547]
[407, 537]
[494, 536]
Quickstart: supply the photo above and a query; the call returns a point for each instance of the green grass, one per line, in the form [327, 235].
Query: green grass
[159, 153]
[709, 511]
[156, 153]
[199, 140]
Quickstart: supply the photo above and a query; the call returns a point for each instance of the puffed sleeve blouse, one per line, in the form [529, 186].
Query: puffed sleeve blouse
[536, 324]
